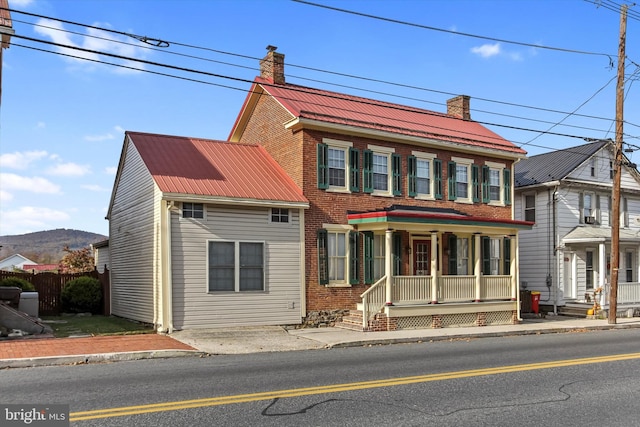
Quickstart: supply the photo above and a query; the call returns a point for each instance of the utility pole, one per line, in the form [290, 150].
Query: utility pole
[615, 196]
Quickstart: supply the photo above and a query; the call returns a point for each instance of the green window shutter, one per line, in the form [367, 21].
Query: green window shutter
[323, 257]
[437, 178]
[507, 256]
[453, 255]
[486, 254]
[367, 171]
[323, 170]
[486, 195]
[507, 186]
[397, 254]
[476, 182]
[396, 166]
[412, 166]
[354, 258]
[368, 257]
[451, 180]
[354, 170]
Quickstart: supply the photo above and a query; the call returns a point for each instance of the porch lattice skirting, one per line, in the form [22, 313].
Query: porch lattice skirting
[381, 322]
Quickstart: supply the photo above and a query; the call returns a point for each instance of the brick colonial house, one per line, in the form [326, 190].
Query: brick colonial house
[411, 222]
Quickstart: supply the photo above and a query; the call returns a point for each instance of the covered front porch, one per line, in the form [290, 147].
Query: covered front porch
[441, 269]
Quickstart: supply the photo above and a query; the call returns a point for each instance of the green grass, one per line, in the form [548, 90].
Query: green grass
[64, 326]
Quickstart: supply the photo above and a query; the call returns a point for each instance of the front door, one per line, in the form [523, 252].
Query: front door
[569, 275]
[422, 257]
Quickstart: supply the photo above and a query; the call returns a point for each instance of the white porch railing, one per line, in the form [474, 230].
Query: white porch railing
[373, 299]
[495, 287]
[456, 288]
[411, 289]
[628, 293]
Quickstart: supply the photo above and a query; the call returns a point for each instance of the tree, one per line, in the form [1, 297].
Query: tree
[77, 261]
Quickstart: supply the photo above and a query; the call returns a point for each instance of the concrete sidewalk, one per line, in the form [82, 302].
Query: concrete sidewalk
[57, 351]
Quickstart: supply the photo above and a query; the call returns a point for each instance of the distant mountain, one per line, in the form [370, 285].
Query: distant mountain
[46, 247]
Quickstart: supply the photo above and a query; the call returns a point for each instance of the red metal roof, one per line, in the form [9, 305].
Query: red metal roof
[41, 267]
[202, 167]
[336, 108]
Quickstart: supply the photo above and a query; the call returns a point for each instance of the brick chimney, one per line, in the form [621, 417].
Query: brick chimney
[272, 66]
[459, 107]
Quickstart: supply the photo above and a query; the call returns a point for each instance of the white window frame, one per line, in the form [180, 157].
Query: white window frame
[629, 258]
[498, 168]
[382, 152]
[591, 271]
[593, 167]
[462, 255]
[592, 206]
[379, 267]
[344, 146]
[338, 229]
[193, 210]
[526, 209]
[425, 157]
[495, 252]
[466, 163]
[237, 266]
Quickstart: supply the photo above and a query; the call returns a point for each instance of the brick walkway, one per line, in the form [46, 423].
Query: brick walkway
[43, 347]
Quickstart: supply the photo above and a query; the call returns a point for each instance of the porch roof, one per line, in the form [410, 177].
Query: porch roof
[584, 234]
[420, 215]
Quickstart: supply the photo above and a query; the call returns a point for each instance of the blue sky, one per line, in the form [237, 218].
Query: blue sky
[62, 120]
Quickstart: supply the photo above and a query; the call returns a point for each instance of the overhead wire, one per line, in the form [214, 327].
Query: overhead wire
[167, 43]
[219, 75]
[298, 88]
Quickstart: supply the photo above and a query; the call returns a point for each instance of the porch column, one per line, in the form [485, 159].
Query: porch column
[602, 266]
[434, 267]
[388, 264]
[476, 266]
[514, 271]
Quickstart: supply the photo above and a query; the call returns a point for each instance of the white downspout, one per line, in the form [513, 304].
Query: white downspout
[388, 243]
[167, 292]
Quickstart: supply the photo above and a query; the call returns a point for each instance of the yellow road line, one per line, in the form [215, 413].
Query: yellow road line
[336, 388]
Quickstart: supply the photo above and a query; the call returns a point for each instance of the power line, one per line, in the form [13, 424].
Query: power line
[297, 88]
[167, 43]
[426, 27]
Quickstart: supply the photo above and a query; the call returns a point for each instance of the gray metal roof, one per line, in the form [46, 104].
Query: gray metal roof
[555, 165]
[587, 234]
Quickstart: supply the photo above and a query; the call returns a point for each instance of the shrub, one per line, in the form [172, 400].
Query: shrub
[16, 281]
[82, 295]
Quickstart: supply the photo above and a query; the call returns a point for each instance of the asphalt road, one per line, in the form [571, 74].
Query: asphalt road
[572, 379]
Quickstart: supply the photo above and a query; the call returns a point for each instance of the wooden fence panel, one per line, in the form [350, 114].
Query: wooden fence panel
[49, 287]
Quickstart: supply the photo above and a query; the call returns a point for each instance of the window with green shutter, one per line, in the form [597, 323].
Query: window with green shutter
[396, 169]
[486, 194]
[367, 171]
[354, 258]
[411, 175]
[507, 256]
[354, 170]
[451, 180]
[323, 177]
[368, 257]
[437, 178]
[486, 254]
[323, 257]
[507, 186]
[397, 254]
[475, 172]
[453, 255]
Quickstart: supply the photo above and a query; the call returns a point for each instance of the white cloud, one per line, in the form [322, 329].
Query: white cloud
[41, 125]
[5, 196]
[28, 218]
[21, 3]
[20, 160]
[97, 41]
[94, 187]
[111, 170]
[98, 138]
[11, 181]
[119, 129]
[487, 50]
[69, 169]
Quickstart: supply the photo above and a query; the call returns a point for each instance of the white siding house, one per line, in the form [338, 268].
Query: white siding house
[566, 255]
[204, 234]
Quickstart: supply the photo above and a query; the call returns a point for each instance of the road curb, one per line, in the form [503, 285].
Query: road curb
[97, 358]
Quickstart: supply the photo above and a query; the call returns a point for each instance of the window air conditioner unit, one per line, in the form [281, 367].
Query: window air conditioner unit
[589, 220]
